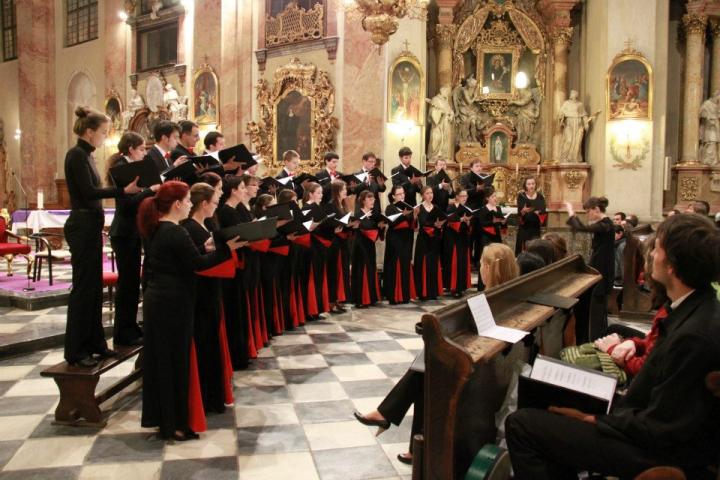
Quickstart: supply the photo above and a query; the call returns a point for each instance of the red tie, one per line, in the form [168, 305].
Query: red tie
[191, 150]
[167, 155]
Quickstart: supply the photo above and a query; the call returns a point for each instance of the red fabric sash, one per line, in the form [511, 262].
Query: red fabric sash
[225, 359]
[489, 230]
[343, 235]
[543, 218]
[455, 226]
[371, 235]
[430, 231]
[260, 245]
[402, 225]
[225, 269]
[239, 262]
[196, 411]
[398, 282]
[303, 240]
[283, 250]
[324, 241]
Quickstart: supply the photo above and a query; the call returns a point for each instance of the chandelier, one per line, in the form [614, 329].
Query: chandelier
[381, 17]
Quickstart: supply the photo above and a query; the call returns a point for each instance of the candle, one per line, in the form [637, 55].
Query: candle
[40, 199]
[538, 170]
[517, 168]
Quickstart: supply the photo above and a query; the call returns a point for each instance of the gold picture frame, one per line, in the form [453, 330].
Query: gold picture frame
[293, 83]
[406, 90]
[113, 108]
[205, 106]
[629, 87]
[496, 68]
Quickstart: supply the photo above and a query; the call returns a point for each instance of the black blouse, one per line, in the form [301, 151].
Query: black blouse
[83, 181]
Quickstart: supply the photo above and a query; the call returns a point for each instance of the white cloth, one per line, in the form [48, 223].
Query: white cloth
[38, 219]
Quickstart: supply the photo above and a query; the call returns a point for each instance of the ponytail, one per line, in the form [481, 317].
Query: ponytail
[152, 208]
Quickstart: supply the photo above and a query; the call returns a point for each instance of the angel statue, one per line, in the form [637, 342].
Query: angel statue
[441, 117]
[527, 110]
[468, 116]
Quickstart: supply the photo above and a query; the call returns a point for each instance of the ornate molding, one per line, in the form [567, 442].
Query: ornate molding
[499, 35]
[694, 24]
[573, 179]
[308, 81]
[689, 187]
[562, 36]
[294, 24]
[445, 35]
[715, 27]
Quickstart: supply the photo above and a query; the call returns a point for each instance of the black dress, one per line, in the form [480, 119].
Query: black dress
[529, 224]
[457, 245]
[441, 197]
[168, 313]
[126, 244]
[207, 332]
[591, 311]
[84, 334]
[398, 281]
[317, 283]
[491, 231]
[338, 257]
[428, 247]
[470, 182]
[251, 280]
[364, 279]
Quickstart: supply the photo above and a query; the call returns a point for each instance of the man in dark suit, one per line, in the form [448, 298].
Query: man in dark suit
[474, 185]
[291, 159]
[189, 137]
[328, 174]
[668, 416]
[401, 176]
[375, 185]
[442, 189]
[166, 136]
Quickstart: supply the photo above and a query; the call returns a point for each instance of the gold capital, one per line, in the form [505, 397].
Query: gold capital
[445, 35]
[694, 24]
[562, 35]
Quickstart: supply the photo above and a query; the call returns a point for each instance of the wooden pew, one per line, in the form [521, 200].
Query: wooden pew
[79, 405]
[636, 303]
[466, 376]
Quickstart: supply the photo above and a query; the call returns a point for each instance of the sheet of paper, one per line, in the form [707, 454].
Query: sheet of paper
[485, 322]
[568, 376]
[308, 224]
[305, 212]
[345, 219]
[285, 180]
[392, 218]
[362, 177]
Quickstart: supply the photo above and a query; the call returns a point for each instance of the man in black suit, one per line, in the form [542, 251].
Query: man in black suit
[189, 137]
[474, 185]
[291, 159]
[668, 416]
[442, 189]
[328, 174]
[401, 176]
[375, 185]
[166, 136]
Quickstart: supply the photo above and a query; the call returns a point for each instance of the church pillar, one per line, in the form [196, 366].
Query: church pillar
[694, 56]
[562, 39]
[445, 35]
[715, 60]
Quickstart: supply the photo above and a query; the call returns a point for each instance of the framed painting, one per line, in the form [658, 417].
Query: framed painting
[629, 87]
[293, 118]
[496, 69]
[114, 110]
[206, 96]
[406, 90]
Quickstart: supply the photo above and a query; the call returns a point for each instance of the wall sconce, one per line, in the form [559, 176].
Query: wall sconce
[18, 134]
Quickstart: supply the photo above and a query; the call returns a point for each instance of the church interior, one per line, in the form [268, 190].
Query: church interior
[611, 107]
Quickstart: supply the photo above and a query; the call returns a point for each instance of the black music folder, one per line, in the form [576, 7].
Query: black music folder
[185, 171]
[553, 382]
[376, 173]
[240, 153]
[123, 175]
[444, 177]
[250, 231]
[280, 211]
[305, 176]
[486, 179]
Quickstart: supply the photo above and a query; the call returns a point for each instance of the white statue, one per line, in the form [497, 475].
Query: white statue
[173, 104]
[156, 6]
[468, 116]
[574, 121]
[498, 149]
[441, 117]
[710, 130]
[527, 111]
[135, 103]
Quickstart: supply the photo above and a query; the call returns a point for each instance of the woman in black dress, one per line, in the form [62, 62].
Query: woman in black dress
[428, 247]
[234, 292]
[457, 246]
[171, 263]
[293, 278]
[531, 214]
[364, 279]
[338, 255]
[270, 262]
[591, 311]
[84, 335]
[126, 244]
[317, 299]
[398, 281]
[491, 219]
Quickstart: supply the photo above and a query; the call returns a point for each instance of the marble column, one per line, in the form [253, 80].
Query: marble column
[694, 56]
[715, 60]
[117, 36]
[444, 38]
[562, 39]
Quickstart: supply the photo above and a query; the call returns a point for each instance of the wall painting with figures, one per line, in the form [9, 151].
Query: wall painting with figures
[406, 90]
[629, 87]
[205, 96]
[294, 125]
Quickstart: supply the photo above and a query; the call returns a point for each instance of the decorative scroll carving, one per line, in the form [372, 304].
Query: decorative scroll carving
[694, 24]
[562, 36]
[498, 35]
[573, 179]
[527, 29]
[689, 187]
[715, 27]
[294, 24]
[307, 81]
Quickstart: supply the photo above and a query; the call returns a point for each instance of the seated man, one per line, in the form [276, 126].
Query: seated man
[667, 417]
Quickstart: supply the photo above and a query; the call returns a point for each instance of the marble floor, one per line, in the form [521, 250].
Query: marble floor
[292, 416]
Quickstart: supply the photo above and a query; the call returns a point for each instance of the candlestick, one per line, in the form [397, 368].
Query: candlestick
[517, 168]
[40, 199]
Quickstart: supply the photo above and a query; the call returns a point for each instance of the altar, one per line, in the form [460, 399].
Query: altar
[35, 220]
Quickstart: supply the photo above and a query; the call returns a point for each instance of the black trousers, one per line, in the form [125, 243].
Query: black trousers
[408, 391]
[546, 445]
[84, 333]
[591, 315]
[127, 256]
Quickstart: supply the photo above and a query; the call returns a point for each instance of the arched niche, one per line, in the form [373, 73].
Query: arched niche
[81, 91]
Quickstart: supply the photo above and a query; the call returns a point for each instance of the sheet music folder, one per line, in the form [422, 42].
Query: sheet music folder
[562, 384]
[250, 231]
[122, 175]
[552, 300]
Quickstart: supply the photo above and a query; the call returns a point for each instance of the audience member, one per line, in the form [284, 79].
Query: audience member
[559, 244]
[543, 249]
[620, 241]
[631, 221]
[529, 262]
[619, 218]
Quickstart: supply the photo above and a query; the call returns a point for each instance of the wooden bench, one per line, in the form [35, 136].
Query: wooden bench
[79, 405]
[467, 376]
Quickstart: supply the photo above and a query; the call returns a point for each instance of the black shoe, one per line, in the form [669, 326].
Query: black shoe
[107, 353]
[403, 459]
[87, 362]
[384, 424]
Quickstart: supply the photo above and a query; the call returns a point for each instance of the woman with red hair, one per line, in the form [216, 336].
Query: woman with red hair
[171, 261]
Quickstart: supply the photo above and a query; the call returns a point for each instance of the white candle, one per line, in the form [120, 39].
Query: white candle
[40, 199]
[517, 168]
[538, 170]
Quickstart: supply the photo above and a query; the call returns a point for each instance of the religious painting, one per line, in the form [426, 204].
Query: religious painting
[499, 148]
[406, 90]
[205, 96]
[294, 125]
[496, 70]
[113, 109]
[629, 87]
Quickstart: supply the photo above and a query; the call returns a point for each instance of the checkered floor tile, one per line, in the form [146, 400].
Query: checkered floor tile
[292, 416]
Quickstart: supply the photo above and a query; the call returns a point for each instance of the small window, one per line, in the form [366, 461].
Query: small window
[81, 21]
[157, 47]
[9, 30]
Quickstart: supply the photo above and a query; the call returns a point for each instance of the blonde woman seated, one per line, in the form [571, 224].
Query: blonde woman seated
[497, 265]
